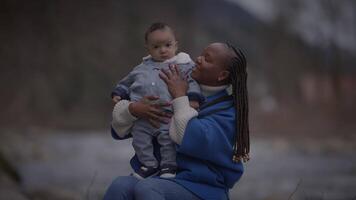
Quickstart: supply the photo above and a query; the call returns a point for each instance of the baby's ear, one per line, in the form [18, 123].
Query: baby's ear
[176, 46]
[223, 76]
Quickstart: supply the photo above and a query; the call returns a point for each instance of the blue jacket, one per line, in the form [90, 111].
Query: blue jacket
[204, 158]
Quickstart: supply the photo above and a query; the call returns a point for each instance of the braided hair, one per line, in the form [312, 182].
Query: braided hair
[238, 80]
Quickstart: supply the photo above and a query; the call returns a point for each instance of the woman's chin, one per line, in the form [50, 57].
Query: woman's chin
[196, 79]
[194, 75]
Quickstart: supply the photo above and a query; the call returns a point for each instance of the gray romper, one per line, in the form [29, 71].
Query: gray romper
[144, 80]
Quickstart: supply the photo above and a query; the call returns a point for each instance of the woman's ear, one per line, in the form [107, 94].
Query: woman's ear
[223, 76]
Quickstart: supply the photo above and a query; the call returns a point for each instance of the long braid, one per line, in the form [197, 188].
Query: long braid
[238, 80]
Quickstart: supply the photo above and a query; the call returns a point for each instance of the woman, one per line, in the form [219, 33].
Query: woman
[211, 142]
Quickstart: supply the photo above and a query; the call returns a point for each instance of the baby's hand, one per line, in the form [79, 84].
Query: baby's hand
[116, 99]
[194, 104]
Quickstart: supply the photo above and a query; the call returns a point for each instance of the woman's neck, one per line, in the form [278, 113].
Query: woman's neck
[211, 90]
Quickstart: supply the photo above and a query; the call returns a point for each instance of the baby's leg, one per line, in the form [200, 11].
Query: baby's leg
[168, 149]
[142, 143]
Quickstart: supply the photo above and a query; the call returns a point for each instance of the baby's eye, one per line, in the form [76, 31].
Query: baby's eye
[168, 45]
[155, 47]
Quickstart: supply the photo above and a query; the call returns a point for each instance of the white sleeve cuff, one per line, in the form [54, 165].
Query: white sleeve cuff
[182, 114]
[122, 119]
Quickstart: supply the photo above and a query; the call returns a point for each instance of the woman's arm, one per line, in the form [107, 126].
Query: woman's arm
[182, 114]
[125, 113]
[122, 119]
[178, 87]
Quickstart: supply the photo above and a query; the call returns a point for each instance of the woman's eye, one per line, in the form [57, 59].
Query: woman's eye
[207, 59]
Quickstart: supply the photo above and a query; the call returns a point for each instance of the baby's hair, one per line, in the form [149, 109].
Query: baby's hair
[157, 26]
[238, 79]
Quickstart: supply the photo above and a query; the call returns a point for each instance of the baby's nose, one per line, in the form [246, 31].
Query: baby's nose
[163, 49]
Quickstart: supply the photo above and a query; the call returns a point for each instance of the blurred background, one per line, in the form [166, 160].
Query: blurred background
[60, 60]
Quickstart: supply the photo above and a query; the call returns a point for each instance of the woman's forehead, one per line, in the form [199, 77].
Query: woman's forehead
[218, 51]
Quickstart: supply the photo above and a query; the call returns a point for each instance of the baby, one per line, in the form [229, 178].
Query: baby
[144, 80]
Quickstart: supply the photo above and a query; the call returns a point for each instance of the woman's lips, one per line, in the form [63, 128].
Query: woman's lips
[195, 68]
[195, 72]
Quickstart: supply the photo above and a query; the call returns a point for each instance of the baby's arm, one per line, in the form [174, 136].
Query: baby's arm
[121, 90]
[194, 92]
[116, 98]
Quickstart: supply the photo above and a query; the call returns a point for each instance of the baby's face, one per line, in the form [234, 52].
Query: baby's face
[161, 45]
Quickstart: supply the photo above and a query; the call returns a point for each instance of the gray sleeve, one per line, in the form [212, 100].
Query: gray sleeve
[193, 92]
[126, 81]
[193, 85]
[123, 86]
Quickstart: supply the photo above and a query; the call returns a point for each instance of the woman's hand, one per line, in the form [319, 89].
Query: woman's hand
[177, 85]
[151, 109]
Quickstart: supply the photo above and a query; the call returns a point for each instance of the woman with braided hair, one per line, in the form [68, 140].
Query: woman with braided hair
[212, 142]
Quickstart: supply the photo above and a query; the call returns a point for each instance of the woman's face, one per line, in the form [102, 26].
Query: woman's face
[211, 65]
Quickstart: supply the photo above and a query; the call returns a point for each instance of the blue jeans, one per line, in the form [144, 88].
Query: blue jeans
[131, 188]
